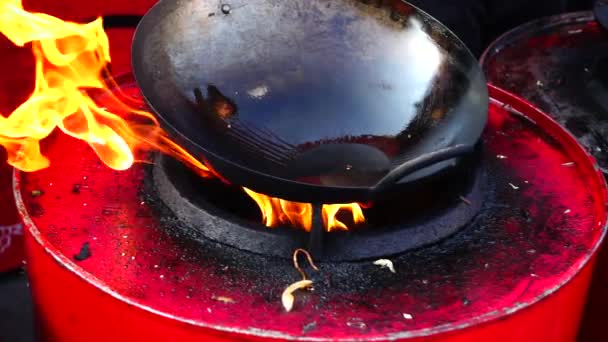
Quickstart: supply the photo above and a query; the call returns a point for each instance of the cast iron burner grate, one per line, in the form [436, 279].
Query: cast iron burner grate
[419, 215]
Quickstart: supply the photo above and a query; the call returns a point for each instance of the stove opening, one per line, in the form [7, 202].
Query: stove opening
[423, 213]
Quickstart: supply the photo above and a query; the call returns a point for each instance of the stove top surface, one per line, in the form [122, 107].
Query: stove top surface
[534, 232]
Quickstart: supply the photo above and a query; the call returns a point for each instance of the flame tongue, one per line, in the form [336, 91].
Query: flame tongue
[330, 212]
[69, 58]
[69, 61]
[276, 212]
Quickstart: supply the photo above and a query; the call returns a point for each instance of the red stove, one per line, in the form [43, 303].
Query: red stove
[117, 252]
[500, 247]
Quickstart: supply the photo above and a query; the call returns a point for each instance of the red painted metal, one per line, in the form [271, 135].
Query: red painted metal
[72, 308]
[556, 63]
[141, 283]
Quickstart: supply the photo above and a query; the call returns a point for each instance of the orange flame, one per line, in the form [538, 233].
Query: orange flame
[70, 59]
[330, 212]
[276, 211]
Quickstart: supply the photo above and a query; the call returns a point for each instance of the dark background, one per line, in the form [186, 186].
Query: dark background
[477, 23]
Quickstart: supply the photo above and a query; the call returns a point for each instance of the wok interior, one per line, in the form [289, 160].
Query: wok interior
[333, 90]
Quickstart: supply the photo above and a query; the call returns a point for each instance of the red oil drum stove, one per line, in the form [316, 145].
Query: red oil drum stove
[108, 257]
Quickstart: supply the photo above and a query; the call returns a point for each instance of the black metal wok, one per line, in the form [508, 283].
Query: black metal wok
[326, 101]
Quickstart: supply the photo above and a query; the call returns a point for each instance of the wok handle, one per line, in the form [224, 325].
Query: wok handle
[418, 163]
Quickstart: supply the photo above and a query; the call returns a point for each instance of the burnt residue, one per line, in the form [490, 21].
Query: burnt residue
[35, 209]
[84, 253]
[76, 188]
[309, 327]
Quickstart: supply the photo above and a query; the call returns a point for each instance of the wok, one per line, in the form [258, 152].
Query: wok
[326, 101]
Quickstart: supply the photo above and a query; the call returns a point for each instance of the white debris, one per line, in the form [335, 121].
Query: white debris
[569, 164]
[408, 316]
[287, 297]
[258, 92]
[500, 156]
[567, 211]
[515, 187]
[385, 263]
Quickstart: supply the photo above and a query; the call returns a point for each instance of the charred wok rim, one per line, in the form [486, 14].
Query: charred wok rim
[590, 166]
[176, 133]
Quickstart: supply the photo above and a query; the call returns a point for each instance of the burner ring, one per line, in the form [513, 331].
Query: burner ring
[206, 220]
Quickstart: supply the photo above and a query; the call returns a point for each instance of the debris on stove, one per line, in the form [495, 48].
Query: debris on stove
[224, 299]
[515, 187]
[357, 323]
[569, 164]
[84, 254]
[309, 327]
[37, 193]
[76, 189]
[287, 298]
[385, 263]
[408, 316]
[296, 264]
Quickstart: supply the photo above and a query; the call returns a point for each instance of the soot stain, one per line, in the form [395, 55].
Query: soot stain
[84, 253]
